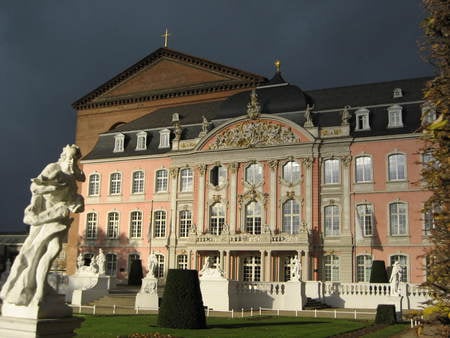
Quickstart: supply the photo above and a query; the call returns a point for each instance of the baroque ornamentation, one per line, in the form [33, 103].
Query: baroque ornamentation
[202, 169]
[308, 162]
[345, 117]
[253, 107]
[173, 172]
[346, 160]
[253, 133]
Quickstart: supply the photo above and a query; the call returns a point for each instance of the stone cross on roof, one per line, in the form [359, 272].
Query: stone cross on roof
[166, 37]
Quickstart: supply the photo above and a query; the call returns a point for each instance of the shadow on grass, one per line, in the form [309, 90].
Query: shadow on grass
[254, 324]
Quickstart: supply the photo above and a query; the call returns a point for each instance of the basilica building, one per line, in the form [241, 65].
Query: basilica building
[191, 159]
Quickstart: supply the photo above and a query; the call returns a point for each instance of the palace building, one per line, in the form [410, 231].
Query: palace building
[191, 159]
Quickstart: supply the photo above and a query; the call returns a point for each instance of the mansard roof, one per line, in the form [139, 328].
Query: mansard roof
[164, 74]
[279, 99]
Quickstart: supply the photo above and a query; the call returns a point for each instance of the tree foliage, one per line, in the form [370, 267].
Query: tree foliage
[436, 171]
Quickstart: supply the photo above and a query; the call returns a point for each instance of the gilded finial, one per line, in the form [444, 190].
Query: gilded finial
[277, 64]
[166, 38]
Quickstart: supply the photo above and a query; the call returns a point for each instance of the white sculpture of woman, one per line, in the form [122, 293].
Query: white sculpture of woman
[80, 261]
[152, 265]
[54, 196]
[101, 260]
[296, 268]
[396, 277]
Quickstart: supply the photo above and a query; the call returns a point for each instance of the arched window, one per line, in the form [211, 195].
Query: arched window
[395, 119]
[159, 272]
[137, 186]
[111, 265]
[216, 218]
[94, 185]
[115, 184]
[398, 220]
[161, 180]
[365, 218]
[363, 169]
[91, 225]
[331, 268]
[397, 167]
[253, 218]
[331, 220]
[185, 222]
[131, 259]
[291, 217]
[218, 175]
[186, 180]
[159, 223]
[291, 172]
[331, 171]
[112, 230]
[363, 268]
[141, 141]
[119, 142]
[136, 224]
[254, 174]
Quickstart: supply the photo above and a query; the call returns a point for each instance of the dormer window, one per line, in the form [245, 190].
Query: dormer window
[362, 119]
[164, 138]
[119, 141]
[395, 116]
[428, 113]
[397, 93]
[141, 142]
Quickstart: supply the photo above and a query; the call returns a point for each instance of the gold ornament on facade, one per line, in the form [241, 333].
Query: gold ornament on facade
[346, 160]
[307, 162]
[173, 172]
[202, 169]
[273, 164]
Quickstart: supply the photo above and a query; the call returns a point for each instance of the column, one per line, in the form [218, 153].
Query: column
[269, 273]
[195, 260]
[227, 269]
[308, 190]
[305, 268]
[222, 265]
[273, 194]
[201, 199]
[233, 195]
[263, 268]
[171, 259]
[346, 195]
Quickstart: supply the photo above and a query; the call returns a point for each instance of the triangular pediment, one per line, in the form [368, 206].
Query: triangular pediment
[167, 72]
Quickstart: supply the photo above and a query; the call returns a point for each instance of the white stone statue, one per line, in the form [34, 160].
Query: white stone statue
[396, 277]
[80, 261]
[296, 269]
[152, 265]
[54, 196]
[101, 261]
[209, 272]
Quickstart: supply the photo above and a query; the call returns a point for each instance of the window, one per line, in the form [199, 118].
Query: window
[94, 185]
[362, 119]
[395, 116]
[253, 218]
[397, 167]
[159, 223]
[186, 180]
[137, 186]
[111, 264]
[251, 269]
[331, 171]
[185, 222]
[398, 219]
[182, 262]
[161, 180]
[218, 175]
[141, 141]
[291, 172]
[287, 261]
[91, 225]
[136, 224]
[363, 169]
[331, 268]
[363, 268]
[291, 217]
[428, 221]
[159, 271]
[254, 174]
[115, 183]
[397, 93]
[331, 220]
[131, 259]
[164, 138]
[365, 218]
[112, 230]
[119, 141]
[403, 260]
[428, 114]
[216, 219]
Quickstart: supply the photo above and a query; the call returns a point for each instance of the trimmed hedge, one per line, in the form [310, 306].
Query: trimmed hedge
[182, 304]
[378, 273]
[136, 274]
[385, 314]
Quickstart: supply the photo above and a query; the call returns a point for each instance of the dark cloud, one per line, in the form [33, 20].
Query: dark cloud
[53, 52]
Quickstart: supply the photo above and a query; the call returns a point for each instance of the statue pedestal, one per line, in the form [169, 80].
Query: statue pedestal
[215, 292]
[147, 297]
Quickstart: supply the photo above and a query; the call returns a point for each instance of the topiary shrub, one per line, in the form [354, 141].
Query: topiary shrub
[378, 273]
[182, 304]
[136, 275]
[385, 314]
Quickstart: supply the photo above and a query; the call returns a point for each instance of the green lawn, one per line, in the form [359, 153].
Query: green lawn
[113, 326]
[388, 331]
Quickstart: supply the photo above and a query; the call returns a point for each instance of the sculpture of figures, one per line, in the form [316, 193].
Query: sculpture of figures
[209, 272]
[308, 120]
[101, 260]
[345, 116]
[152, 265]
[54, 196]
[80, 261]
[206, 265]
[396, 277]
[178, 131]
[296, 266]
[205, 125]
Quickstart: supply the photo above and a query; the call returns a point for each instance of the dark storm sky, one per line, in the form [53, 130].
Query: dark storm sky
[54, 52]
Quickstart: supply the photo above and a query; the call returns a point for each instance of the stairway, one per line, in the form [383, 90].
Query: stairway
[312, 304]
